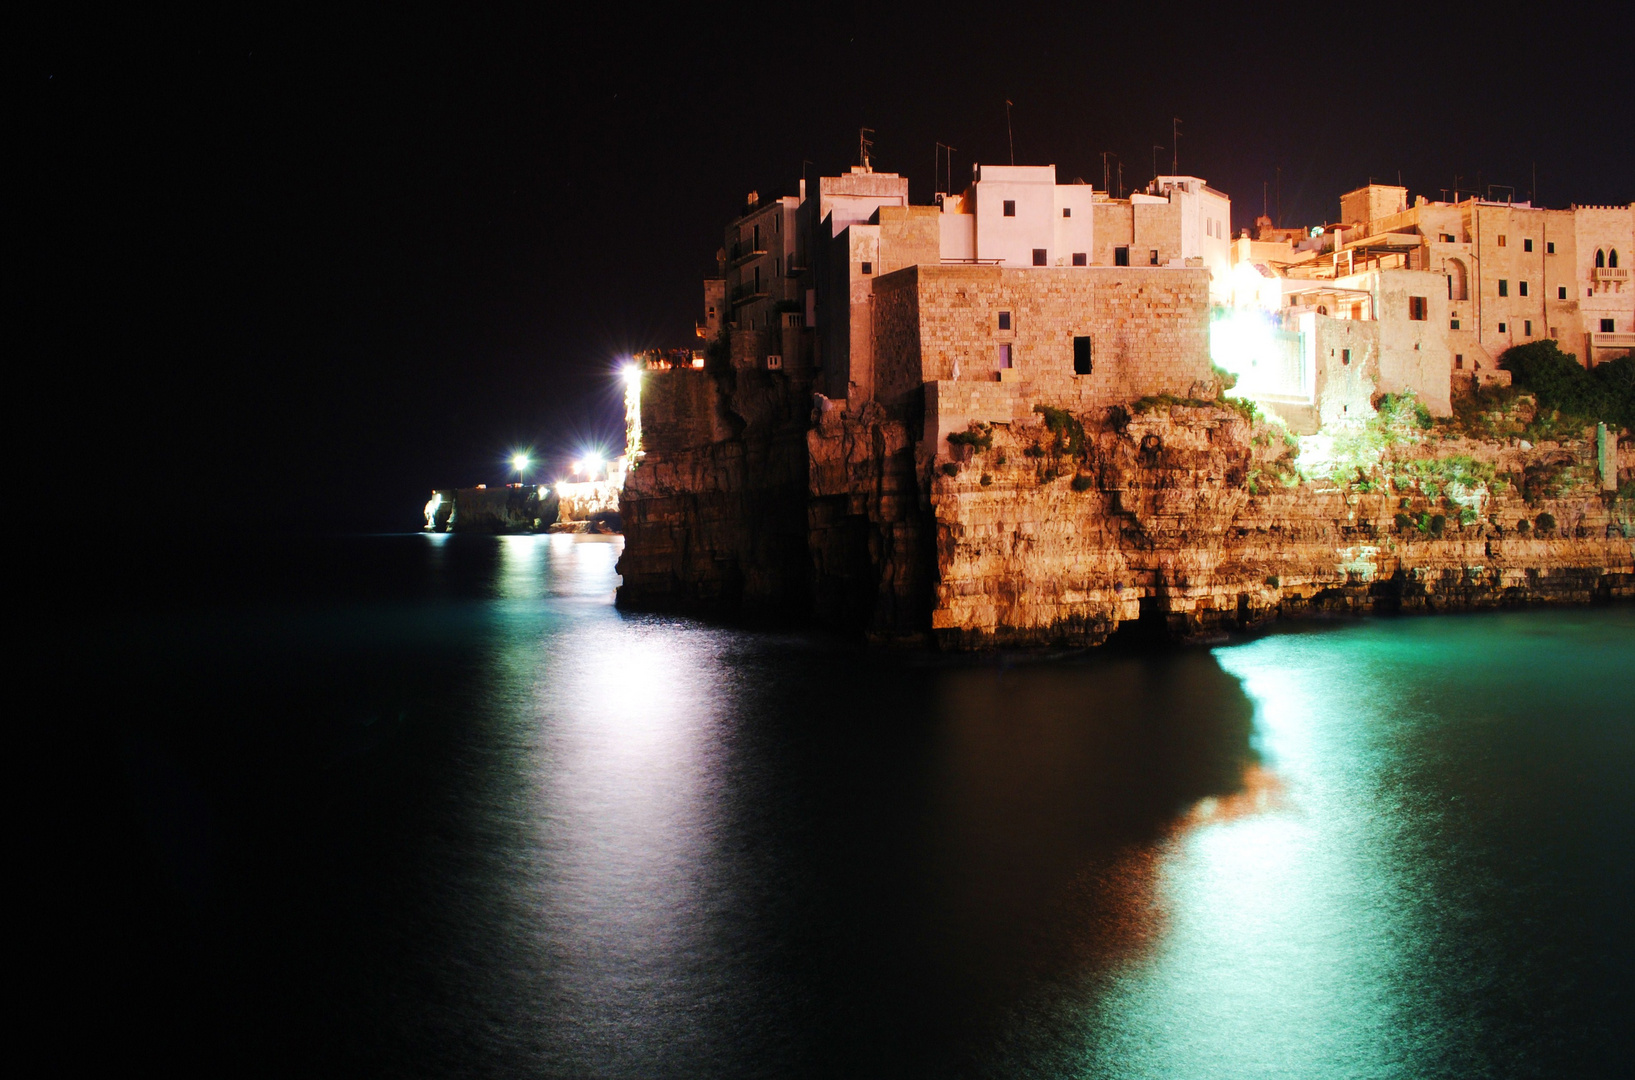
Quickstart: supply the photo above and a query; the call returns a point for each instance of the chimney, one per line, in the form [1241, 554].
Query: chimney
[754, 197]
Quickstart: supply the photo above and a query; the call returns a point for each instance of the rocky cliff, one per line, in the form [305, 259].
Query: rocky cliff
[1180, 518]
[1194, 519]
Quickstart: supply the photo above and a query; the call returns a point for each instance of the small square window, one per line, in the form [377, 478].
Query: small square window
[1345, 356]
[1152, 259]
[868, 268]
[1459, 361]
[1417, 308]
[1080, 259]
[1504, 287]
[1453, 324]
[1447, 238]
[1004, 357]
[1004, 320]
[1501, 328]
[1549, 247]
[1521, 288]
[1526, 245]
[1501, 239]
[1039, 256]
[1010, 207]
[1121, 256]
[1561, 292]
[1609, 326]
[1081, 356]
[1067, 211]
[1527, 327]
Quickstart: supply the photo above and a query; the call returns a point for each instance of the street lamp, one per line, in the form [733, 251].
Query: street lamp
[519, 462]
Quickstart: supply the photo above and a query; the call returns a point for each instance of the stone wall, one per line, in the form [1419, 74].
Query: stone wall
[1148, 327]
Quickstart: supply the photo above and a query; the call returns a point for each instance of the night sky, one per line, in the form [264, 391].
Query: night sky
[294, 271]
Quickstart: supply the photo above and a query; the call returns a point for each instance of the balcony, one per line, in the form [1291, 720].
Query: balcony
[745, 294]
[1619, 274]
[743, 253]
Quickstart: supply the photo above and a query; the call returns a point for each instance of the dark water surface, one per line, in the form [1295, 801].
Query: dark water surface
[431, 806]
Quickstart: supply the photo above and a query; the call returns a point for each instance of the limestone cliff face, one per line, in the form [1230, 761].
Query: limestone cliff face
[715, 512]
[1183, 518]
[870, 527]
[1193, 519]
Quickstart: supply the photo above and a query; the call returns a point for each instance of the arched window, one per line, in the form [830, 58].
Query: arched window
[1456, 280]
[1600, 259]
[1612, 259]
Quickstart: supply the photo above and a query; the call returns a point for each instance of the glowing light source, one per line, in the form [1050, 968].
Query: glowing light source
[519, 462]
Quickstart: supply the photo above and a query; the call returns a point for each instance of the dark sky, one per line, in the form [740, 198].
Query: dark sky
[297, 270]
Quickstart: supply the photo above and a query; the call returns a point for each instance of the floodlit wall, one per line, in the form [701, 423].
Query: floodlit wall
[1148, 331]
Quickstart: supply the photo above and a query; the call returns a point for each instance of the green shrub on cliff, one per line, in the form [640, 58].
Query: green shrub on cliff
[978, 436]
[1605, 393]
[1066, 427]
[1545, 522]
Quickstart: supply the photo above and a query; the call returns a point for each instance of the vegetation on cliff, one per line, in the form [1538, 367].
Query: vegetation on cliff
[1561, 384]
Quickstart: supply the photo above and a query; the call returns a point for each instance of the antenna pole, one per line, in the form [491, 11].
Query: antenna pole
[863, 144]
[1175, 146]
[1010, 135]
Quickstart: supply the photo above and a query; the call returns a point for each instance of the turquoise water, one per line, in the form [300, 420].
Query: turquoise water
[431, 805]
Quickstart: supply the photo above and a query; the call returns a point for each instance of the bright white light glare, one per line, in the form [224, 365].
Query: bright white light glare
[633, 376]
[1237, 340]
[578, 466]
[519, 462]
[593, 462]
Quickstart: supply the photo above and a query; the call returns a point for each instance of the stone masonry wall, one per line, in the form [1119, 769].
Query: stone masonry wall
[1149, 330]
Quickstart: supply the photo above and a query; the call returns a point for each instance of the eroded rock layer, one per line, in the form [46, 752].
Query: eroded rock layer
[1182, 519]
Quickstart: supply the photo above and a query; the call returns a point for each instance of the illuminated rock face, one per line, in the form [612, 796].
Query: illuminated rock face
[1181, 521]
[1057, 528]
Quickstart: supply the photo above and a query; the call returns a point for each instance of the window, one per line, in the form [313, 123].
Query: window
[1447, 238]
[1561, 292]
[1527, 245]
[1453, 324]
[1501, 239]
[1608, 326]
[1504, 287]
[1152, 259]
[1081, 356]
[1010, 207]
[1121, 256]
[1459, 361]
[1039, 256]
[1417, 308]
[1004, 357]
[1600, 259]
[868, 268]
[1004, 320]
[1521, 288]
[1501, 328]
[755, 239]
[1080, 259]
[1612, 259]
[1549, 247]
[1345, 356]
[1527, 327]
[1067, 211]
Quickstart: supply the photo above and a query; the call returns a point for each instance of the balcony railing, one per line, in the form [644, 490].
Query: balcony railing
[1611, 273]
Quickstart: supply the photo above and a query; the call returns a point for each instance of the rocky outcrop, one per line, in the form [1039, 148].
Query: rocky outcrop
[1191, 520]
[714, 513]
[1179, 518]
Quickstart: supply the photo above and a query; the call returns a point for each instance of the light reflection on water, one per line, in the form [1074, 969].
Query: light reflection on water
[621, 845]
